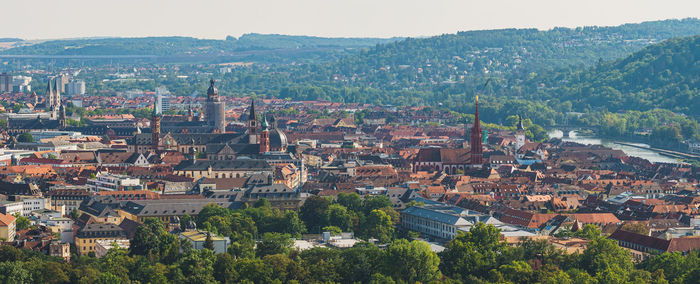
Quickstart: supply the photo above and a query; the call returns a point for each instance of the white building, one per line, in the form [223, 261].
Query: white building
[75, 87]
[33, 204]
[111, 182]
[21, 84]
[440, 220]
[11, 207]
[163, 98]
[198, 239]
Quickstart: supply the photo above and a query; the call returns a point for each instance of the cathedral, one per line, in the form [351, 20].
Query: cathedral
[52, 105]
[215, 144]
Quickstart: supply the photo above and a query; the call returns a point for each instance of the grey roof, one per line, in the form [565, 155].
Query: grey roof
[170, 207]
[97, 230]
[434, 215]
[240, 164]
[197, 138]
[240, 148]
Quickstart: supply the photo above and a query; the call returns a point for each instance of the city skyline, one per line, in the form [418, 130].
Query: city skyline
[217, 19]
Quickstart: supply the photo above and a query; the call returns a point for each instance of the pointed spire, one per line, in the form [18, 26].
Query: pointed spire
[520, 123]
[156, 111]
[212, 92]
[252, 109]
[265, 124]
[477, 124]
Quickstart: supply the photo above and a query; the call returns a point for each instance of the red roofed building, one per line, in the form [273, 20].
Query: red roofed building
[7, 227]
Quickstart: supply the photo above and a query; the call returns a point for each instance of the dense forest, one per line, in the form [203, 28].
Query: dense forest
[262, 252]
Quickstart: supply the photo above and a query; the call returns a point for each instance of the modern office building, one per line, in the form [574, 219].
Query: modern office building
[109, 182]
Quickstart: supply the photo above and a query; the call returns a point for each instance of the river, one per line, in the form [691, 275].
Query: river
[648, 154]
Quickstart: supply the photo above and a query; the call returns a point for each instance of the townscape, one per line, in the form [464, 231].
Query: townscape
[375, 142]
[350, 174]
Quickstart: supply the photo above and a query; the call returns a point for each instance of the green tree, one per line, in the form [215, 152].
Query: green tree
[21, 222]
[351, 201]
[313, 213]
[14, 272]
[224, 268]
[411, 262]
[293, 224]
[604, 258]
[337, 215]
[198, 266]
[335, 231]
[473, 253]
[379, 226]
[274, 243]
[375, 202]
[25, 138]
[208, 242]
[359, 262]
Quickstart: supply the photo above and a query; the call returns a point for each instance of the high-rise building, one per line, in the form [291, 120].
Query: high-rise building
[477, 156]
[216, 115]
[21, 84]
[5, 82]
[61, 82]
[76, 87]
[163, 99]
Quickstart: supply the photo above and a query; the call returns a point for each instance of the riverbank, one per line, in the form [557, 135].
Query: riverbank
[639, 150]
[668, 153]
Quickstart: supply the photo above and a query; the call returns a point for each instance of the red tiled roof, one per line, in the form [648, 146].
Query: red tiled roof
[6, 220]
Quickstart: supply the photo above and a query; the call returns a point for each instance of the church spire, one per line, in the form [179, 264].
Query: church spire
[252, 124]
[252, 109]
[520, 123]
[477, 157]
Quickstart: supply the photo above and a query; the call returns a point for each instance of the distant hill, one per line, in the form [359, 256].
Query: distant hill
[664, 75]
[169, 46]
[276, 41]
[504, 53]
[447, 69]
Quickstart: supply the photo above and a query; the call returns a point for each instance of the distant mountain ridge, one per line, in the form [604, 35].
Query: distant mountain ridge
[164, 46]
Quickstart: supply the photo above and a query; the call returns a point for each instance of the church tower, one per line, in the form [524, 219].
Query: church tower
[155, 126]
[56, 94]
[477, 156]
[216, 116]
[48, 101]
[252, 124]
[62, 117]
[520, 134]
[53, 97]
[265, 137]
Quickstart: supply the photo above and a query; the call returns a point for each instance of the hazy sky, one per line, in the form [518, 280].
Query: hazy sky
[41, 19]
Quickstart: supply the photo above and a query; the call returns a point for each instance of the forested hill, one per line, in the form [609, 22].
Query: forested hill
[511, 52]
[165, 46]
[665, 75]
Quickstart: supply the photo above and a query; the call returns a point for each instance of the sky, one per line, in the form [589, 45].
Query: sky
[52, 19]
